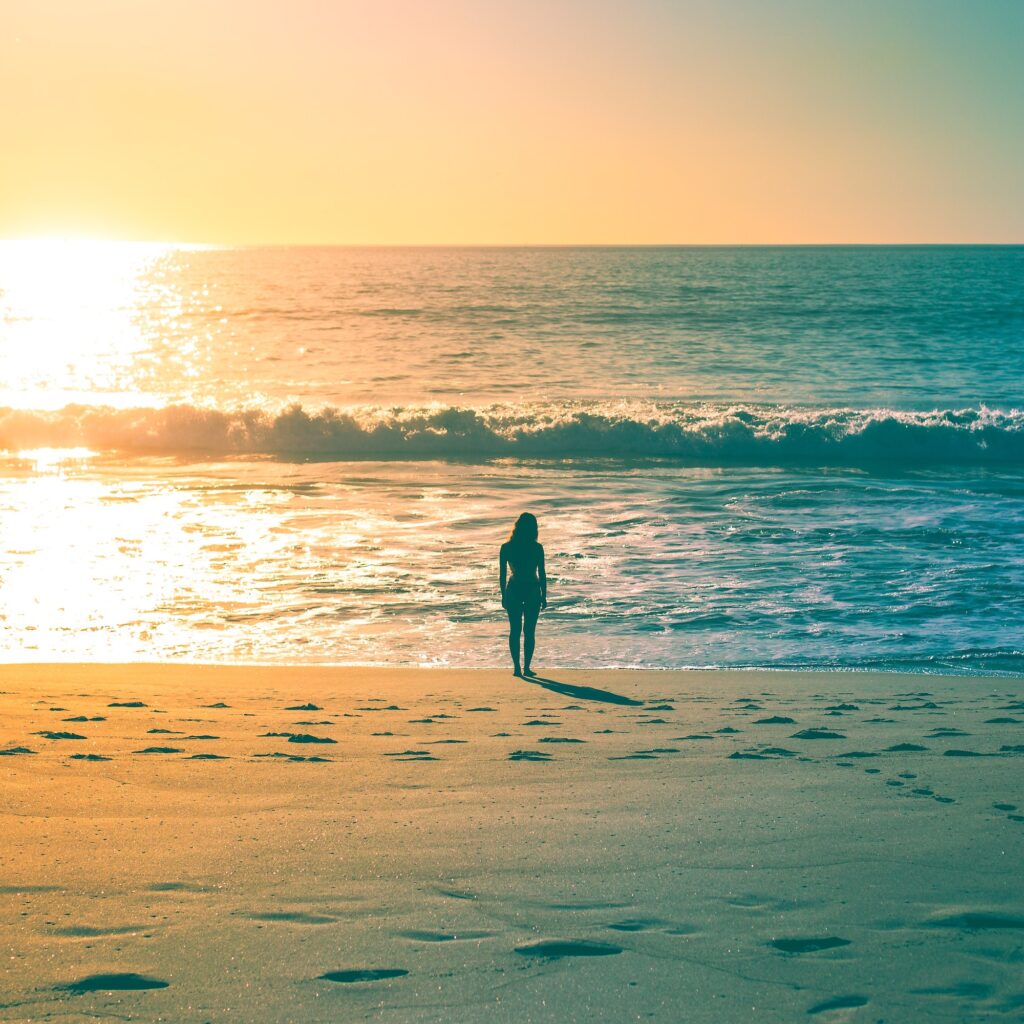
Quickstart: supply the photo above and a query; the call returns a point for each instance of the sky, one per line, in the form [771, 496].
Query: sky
[517, 122]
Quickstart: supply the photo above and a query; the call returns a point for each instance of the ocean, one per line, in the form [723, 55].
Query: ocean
[794, 457]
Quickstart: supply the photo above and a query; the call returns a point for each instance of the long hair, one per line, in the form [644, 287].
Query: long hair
[525, 530]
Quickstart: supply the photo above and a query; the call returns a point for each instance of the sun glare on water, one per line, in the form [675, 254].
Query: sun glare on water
[70, 320]
[45, 460]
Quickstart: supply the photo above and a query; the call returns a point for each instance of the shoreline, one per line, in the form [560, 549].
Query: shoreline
[360, 667]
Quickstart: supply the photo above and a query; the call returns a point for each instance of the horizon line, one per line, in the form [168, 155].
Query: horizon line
[91, 239]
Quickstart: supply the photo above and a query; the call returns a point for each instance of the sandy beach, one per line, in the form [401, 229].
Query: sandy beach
[324, 844]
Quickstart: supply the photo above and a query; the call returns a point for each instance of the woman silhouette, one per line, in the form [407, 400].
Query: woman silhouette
[526, 591]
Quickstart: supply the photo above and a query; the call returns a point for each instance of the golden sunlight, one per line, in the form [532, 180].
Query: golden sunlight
[49, 460]
[71, 310]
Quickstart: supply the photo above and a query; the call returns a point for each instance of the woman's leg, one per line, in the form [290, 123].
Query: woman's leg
[530, 615]
[515, 630]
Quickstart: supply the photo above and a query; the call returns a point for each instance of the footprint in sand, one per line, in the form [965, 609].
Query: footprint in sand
[127, 704]
[303, 737]
[364, 974]
[114, 983]
[977, 920]
[295, 757]
[304, 707]
[159, 750]
[15, 751]
[289, 917]
[84, 931]
[466, 936]
[776, 720]
[46, 734]
[838, 1003]
[559, 949]
[809, 945]
[762, 754]
[529, 755]
[559, 739]
[637, 924]
[207, 757]
[817, 734]
[84, 718]
[89, 757]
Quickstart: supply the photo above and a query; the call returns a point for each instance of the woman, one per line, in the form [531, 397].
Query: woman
[526, 591]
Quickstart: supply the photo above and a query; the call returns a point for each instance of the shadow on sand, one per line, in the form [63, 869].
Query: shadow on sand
[583, 692]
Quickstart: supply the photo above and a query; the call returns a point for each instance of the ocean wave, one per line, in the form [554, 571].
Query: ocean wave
[696, 434]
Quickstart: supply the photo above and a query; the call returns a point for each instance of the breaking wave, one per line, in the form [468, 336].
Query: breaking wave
[698, 434]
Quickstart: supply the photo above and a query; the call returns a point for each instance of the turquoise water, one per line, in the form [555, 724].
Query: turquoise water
[805, 457]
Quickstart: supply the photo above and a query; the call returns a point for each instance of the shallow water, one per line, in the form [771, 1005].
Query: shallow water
[792, 457]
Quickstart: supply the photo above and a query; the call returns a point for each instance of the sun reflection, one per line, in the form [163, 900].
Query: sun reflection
[69, 320]
[47, 460]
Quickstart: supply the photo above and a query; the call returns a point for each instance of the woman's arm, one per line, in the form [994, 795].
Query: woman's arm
[543, 578]
[502, 571]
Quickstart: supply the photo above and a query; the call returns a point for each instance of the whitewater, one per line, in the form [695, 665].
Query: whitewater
[789, 457]
[701, 434]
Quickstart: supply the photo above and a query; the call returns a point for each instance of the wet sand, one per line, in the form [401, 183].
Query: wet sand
[324, 844]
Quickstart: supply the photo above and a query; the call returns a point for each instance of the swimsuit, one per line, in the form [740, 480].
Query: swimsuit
[522, 591]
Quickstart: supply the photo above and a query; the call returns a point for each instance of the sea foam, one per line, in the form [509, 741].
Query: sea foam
[695, 434]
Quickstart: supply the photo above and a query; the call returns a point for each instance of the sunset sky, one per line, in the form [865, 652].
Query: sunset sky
[563, 121]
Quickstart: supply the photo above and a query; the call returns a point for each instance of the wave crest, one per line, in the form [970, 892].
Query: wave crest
[704, 434]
